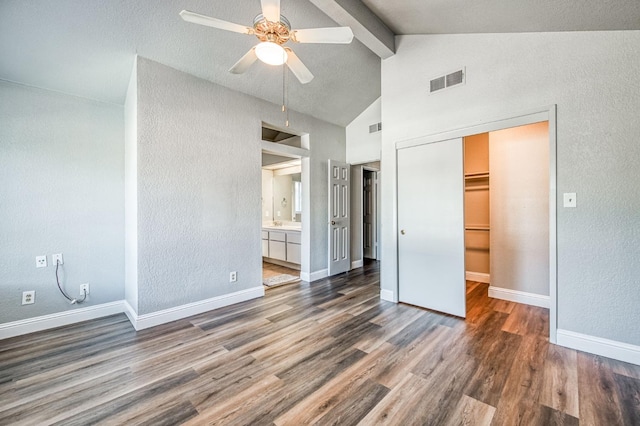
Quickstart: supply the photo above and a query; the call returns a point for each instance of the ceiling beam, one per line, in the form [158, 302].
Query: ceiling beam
[366, 26]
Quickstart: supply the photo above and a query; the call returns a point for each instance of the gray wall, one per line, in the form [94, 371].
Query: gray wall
[199, 186]
[593, 78]
[62, 174]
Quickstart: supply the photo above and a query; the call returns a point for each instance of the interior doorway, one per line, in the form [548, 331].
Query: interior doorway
[284, 221]
[370, 214]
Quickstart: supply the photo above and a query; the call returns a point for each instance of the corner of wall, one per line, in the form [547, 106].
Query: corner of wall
[131, 191]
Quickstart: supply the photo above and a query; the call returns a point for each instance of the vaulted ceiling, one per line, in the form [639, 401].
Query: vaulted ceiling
[86, 48]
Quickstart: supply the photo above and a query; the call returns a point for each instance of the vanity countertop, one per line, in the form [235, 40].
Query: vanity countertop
[282, 228]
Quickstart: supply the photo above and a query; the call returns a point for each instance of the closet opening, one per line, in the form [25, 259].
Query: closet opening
[506, 219]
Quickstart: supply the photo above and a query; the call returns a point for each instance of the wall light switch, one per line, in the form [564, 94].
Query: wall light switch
[570, 199]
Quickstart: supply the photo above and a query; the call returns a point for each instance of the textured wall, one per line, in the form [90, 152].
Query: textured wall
[62, 174]
[519, 170]
[362, 146]
[199, 186]
[593, 78]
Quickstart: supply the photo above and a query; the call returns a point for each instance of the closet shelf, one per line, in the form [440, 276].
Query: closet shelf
[476, 175]
[476, 228]
[476, 187]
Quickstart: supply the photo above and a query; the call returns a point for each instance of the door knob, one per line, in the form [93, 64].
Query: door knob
[333, 222]
[402, 231]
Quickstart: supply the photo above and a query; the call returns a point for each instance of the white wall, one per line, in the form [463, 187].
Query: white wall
[199, 186]
[362, 146]
[62, 174]
[593, 78]
[519, 204]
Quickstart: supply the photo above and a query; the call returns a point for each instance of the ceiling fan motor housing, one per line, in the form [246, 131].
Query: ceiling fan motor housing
[275, 32]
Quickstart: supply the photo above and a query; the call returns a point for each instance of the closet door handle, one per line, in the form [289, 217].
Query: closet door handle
[402, 231]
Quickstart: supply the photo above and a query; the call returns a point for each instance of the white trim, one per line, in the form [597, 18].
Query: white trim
[519, 296]
[357, 264]
[140, 322]
[533, 116]
[59, 319]
[387, 295]
[314, 276]
[480, 277]
[599, 346]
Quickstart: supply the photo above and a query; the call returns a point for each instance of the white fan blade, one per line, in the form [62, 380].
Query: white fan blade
[298, 69]
[245, 62]
[271, 10]
[196, 18]
[342, 35]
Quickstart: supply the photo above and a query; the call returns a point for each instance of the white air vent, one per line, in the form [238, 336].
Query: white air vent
[375, 127]
[447, 80]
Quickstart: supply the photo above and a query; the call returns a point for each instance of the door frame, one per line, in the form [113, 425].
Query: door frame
[548, 114]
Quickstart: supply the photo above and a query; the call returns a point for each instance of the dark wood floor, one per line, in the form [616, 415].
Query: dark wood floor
[327, 353]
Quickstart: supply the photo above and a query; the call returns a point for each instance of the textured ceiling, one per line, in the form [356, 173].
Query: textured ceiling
[505, 16]
[86, 48]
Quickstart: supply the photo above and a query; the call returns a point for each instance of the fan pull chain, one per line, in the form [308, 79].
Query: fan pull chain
[285, 94]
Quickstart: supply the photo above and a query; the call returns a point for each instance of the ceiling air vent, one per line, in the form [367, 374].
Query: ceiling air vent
[375, 127]
[447, 80]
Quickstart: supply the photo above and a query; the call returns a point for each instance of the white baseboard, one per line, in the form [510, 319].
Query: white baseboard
[480, 277]
[140, 322]
[59, 319]
[519, 296]
[387, 295]
[599, 346]
[357, 264]
[314, 276]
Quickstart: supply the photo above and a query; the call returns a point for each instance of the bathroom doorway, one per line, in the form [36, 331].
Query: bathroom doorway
[284, 164]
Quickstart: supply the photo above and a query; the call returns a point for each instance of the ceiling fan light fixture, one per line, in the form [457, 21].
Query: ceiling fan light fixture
[271, 53]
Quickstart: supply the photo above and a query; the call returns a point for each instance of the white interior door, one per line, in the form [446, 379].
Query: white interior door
[369, 214]
[431, 248]
[339, 190]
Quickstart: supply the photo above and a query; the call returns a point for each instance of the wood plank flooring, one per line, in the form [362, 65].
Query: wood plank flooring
[330, 352]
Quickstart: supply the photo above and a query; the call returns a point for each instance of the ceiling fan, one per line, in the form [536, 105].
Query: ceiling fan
[273, 30]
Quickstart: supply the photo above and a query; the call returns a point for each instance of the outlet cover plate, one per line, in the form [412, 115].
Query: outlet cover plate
[84, 287]
[233, 276]
[28, 297]
[41, 261]
[57, 257]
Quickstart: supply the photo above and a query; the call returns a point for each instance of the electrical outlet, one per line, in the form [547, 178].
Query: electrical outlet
[233, 277]
[41, 261]
[28, 297]
[84, 287]
[55, 258]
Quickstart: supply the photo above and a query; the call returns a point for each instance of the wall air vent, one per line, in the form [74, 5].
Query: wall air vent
[447, 80]
[437, 84]
[375, 127]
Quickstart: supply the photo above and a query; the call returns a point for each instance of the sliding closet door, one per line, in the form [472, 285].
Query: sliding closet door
[431, 226]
